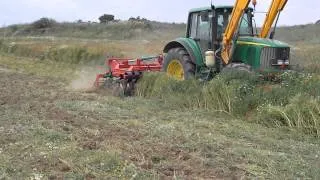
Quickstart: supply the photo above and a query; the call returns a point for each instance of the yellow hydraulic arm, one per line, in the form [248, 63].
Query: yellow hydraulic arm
[274, 11]
[228, 42]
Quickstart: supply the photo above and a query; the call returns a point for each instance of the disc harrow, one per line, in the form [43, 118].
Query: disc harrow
[123, 73]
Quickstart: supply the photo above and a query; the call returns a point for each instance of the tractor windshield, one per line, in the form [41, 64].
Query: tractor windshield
[245, 26]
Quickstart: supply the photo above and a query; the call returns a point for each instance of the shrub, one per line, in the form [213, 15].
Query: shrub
[43, 23]
[13, 28]
[106, 18]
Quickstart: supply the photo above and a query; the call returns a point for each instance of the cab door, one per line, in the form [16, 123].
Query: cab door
[200, 30]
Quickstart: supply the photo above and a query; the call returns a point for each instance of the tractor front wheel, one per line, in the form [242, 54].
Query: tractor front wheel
[178, 64]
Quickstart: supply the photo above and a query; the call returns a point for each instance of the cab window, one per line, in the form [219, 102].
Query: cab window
[194, 25]
[204, 27]
[200, 27]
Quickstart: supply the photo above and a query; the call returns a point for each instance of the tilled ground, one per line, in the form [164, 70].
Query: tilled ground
[30, 104]
[48, 131]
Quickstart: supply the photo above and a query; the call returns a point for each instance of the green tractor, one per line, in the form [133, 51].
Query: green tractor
[224, 37]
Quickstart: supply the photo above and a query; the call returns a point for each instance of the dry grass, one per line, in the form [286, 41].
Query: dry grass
[79, 51]
[307, 57]
[301, 33]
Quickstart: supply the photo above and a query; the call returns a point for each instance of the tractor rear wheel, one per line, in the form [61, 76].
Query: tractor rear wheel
[178, 64]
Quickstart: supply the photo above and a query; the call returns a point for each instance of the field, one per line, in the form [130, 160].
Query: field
[53, 128]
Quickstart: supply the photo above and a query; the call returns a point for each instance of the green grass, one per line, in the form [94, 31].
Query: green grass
[293, 102]
[63, 71]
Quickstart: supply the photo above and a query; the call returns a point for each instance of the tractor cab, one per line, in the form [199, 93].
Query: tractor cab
[206, 25]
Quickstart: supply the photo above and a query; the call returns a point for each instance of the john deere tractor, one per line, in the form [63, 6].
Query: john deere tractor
[225, 37]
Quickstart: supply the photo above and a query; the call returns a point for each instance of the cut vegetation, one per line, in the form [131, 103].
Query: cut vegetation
[235, 126]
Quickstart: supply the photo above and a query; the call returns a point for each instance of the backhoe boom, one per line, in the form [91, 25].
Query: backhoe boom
[228, 42]
[274, 11]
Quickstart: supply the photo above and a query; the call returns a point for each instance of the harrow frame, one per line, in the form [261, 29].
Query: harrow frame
[123, 73]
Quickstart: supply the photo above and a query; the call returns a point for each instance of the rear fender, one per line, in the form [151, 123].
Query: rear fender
[190, 45]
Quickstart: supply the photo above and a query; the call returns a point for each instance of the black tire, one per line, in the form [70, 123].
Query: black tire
[130, 88]
[108, 83]
[240, 71]
[180, 54]
[119, 88]
[237, 67]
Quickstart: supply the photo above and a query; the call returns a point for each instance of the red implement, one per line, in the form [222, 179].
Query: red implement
[129, 69]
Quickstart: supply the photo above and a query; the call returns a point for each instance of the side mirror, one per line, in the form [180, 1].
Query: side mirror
[252, 14]
[272, 35]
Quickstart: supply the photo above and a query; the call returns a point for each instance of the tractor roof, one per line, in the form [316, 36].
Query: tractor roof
[209, 8]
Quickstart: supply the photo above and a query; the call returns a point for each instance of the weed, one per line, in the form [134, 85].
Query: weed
[243, 95]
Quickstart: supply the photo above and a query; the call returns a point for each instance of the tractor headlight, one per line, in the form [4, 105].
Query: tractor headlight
[287, 62]
[280, 62]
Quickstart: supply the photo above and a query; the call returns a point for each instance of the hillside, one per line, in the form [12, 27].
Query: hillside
[143, 30]
[112, 31]
[156, 34]
[300, 33]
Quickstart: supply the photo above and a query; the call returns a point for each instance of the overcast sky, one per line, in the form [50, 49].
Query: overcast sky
[24, 11]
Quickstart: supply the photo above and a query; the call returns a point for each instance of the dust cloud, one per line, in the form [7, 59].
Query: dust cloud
[85, 78]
